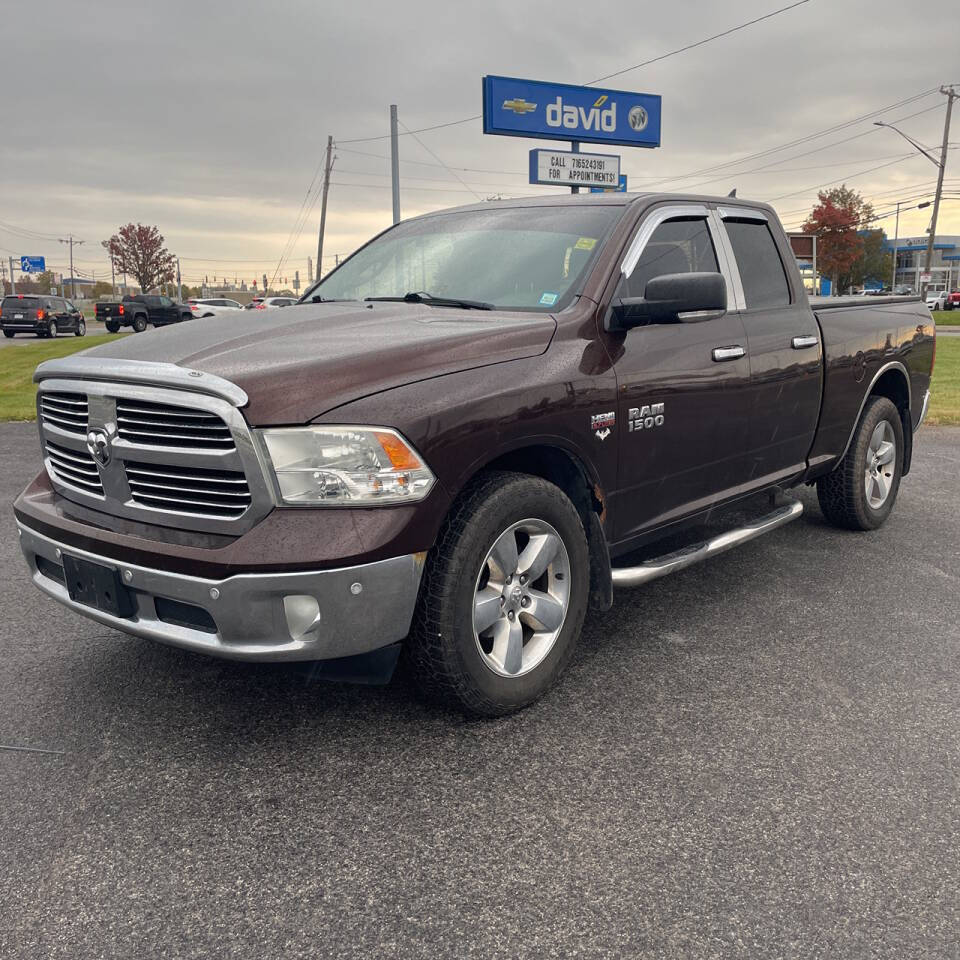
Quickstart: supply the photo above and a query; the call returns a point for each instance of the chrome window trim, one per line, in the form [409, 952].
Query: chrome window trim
[671, 212]
[742, 213]
[736, 299]
[142, 373]
[117, 499]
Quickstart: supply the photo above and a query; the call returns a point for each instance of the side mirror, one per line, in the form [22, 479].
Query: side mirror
[672, 298]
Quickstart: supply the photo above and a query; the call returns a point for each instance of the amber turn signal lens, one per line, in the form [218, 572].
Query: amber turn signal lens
[401, 456]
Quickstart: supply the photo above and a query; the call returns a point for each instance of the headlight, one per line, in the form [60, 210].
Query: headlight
[331, 465]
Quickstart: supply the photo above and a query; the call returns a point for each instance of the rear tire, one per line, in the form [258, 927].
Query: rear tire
[861, 491]
[52, 330]
[139, 324]
[9, 334]
[112, 327]
[489, 640]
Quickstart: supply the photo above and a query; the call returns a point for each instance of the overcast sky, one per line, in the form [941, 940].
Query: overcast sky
[210, 118]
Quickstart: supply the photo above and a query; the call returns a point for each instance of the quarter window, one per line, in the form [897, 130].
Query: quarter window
[761, 269]
[676, 246]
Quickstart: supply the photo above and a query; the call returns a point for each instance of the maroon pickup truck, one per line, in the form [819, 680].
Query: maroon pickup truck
[468, 434]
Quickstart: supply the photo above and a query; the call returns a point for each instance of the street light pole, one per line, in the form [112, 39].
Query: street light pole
[896, 237]
[941, 164]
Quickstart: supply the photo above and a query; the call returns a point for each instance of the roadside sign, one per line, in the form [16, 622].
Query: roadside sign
[621, 186]
[926, 277]
[559, 111]
[565, 168]
[33, 264]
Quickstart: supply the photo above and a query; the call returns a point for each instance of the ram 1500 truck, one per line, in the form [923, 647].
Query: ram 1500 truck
[140, 310]
[468, 434]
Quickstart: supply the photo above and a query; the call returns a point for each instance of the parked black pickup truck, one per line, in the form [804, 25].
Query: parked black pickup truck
[465, 436]
[138, 311]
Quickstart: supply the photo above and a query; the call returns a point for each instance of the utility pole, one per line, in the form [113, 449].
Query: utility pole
[13, 283]
[395, 162]
[951, 95]
[309, 270]
[896, 237]
[73, 281]
[113, 279]
[328, 166]
[179, 284]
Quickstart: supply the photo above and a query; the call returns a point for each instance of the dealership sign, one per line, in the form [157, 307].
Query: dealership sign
[565, 169]
[560, 111]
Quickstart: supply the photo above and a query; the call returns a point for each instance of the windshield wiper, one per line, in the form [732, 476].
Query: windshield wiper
[421, 296]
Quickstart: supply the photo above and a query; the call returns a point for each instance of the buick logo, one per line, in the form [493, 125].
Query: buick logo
[98, 443]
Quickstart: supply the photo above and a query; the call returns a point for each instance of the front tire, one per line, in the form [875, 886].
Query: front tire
[861, 491]
[503, 596]
[9, 334]
[81, 330]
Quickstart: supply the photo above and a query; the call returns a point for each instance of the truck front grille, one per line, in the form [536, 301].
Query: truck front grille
[68, 411]
[140, 449]
[208, 493]
[75, 468]
[166, 425]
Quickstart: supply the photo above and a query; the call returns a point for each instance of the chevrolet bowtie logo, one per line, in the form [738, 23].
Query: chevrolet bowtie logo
[519, 105]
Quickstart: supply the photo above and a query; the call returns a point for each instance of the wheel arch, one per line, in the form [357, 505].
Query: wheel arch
[570, 472]
[893, 382]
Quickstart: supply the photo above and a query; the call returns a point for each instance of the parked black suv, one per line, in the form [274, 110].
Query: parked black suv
[40, 315]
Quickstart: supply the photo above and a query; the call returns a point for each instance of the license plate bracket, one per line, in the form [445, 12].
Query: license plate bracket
[97, 586]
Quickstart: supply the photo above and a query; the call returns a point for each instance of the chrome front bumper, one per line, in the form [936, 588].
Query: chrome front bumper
[314, 615]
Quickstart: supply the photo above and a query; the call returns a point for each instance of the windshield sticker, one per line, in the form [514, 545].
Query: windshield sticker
[585, 243]
[549, 299]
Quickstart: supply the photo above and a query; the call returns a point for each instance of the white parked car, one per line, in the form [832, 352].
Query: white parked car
[214, 307]
[937, 299]
[264, 303]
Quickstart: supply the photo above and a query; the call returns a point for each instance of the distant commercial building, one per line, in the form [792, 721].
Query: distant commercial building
[911, 256]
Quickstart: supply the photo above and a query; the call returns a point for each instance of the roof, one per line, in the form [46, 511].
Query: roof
[602, 199]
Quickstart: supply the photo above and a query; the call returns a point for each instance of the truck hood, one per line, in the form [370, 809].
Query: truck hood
[299, 362]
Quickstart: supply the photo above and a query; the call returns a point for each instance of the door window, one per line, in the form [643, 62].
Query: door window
[761, 269]
[681, 245]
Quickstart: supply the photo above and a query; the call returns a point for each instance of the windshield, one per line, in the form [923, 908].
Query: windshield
[520, 258]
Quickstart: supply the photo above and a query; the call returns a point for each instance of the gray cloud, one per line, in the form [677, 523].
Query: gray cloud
[209, 118]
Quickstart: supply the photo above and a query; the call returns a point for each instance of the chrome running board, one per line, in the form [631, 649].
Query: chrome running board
[688, 556]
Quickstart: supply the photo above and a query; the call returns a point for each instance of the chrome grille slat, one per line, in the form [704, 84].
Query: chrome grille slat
[138, 484]
[140, 470]
[73, 468]
[68, 411]
[167, 425]
[222, 427]
[215, 493]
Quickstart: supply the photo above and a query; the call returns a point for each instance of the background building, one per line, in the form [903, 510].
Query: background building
[911, 254]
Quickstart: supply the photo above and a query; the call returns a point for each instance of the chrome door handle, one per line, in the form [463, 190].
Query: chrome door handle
[728, 353]
[801, 343]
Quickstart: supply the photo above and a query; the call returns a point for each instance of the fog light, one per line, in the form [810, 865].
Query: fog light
[302, 613]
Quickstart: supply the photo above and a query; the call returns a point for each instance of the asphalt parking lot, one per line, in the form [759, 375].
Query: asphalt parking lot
[758, 757]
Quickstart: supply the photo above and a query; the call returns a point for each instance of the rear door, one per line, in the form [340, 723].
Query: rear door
[682, 388]
[784, 347]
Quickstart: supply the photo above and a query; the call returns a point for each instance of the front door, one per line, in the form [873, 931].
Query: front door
[784, 346]
[682, 388]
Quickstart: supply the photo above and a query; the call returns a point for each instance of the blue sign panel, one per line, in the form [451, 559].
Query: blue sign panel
[33, 264]
[620, 188]
[560, 111]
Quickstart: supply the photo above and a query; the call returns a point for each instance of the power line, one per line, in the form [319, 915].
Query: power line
[636, 66]
[435, 157]
[698, 43]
